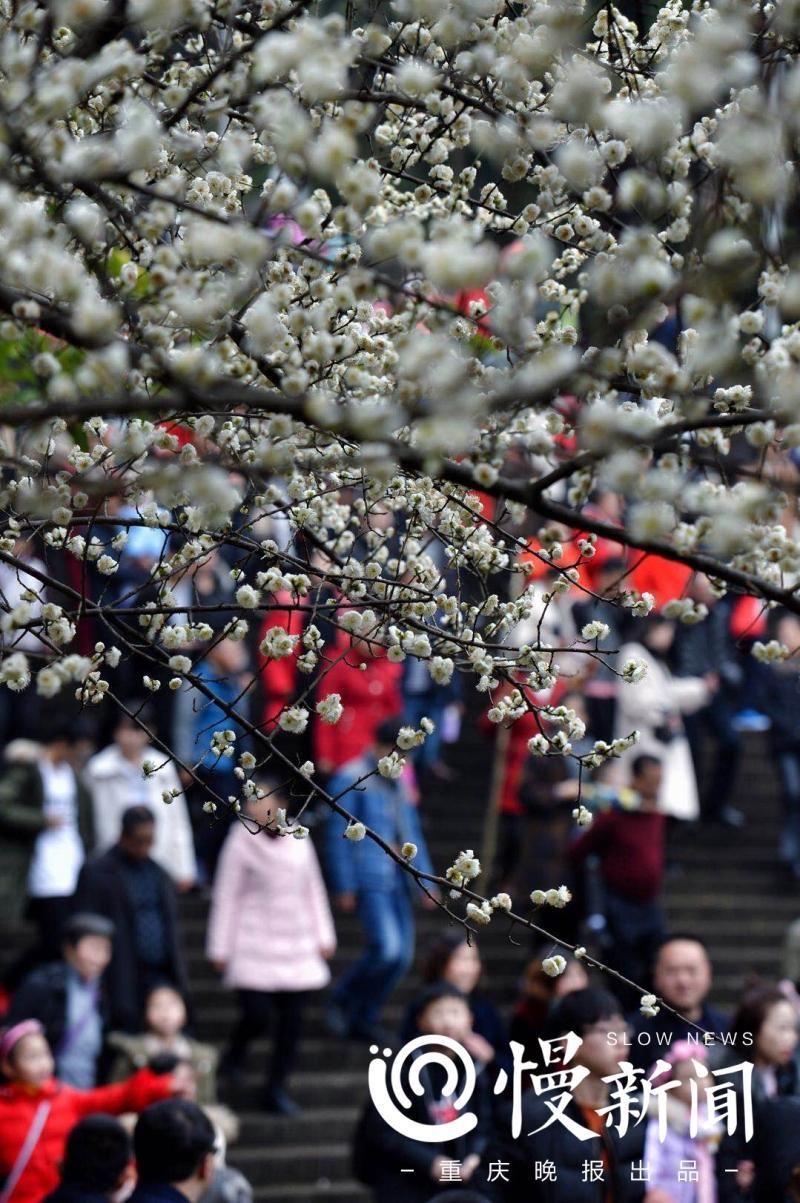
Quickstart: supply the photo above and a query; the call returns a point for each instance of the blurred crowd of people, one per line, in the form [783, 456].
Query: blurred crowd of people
[98, 1009]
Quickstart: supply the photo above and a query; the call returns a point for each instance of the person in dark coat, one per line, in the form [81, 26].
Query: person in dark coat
[594, 1015]
[701, 649]
[775, 1154]
[682, 977]
[128, 887]
[98, 1162]
[764, 1032]
[779, 698]
[67, 999]
[174, 1143]
[381, 1153]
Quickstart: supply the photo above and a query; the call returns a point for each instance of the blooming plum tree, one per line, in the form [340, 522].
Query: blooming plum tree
[309, 291]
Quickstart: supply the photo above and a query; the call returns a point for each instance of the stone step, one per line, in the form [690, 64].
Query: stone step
[730, 883]
[726, 930]
[311, 1089]
[287, 1164]
[257, 1127]
[327, 1054]
[325, 1191]
[712, 838]
[784, 903]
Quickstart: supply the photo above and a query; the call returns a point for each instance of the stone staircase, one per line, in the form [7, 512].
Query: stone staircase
[730, 887]
[726, 886]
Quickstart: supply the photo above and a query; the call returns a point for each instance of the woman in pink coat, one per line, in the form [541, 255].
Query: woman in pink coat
[270, 933]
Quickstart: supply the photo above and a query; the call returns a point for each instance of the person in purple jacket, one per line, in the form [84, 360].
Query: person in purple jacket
[680, 1166]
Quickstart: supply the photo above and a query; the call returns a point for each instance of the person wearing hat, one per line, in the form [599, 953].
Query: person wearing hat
[66, 997]
[38, 1112]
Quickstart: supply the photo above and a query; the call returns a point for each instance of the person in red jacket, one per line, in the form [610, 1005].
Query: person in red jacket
[279, 675]
[369, 687]
[37, 1112]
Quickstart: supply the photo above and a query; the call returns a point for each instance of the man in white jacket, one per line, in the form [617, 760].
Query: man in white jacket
[117, 781]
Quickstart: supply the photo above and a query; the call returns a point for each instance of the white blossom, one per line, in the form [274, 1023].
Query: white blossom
[769, 652]
[391, 766]
[247, 596]
[294, 720]
[14, 672]
[48, 682]
[595, 630]
[277, 643]
[480, 914]
[466, 865]
[634, 670]
[330, 708]
[441, 669]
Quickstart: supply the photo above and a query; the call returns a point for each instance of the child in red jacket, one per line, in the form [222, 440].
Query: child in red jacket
[37, 1112]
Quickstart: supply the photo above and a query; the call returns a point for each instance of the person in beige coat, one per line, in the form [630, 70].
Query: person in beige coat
[654, 707]
[116, 779]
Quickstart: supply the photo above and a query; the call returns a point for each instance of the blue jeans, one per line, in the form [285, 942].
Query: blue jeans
[388, 921]
[789, 770]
